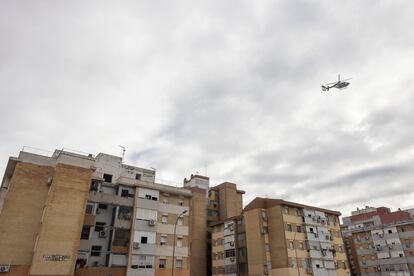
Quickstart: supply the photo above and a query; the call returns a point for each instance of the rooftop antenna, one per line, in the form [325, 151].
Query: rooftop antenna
[123, 152]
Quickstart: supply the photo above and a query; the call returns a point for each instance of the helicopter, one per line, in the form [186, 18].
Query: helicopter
[340, 84]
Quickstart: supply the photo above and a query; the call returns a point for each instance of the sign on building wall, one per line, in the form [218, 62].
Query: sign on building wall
[56, 258]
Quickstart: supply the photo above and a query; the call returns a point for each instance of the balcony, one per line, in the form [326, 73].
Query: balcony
[110, 199]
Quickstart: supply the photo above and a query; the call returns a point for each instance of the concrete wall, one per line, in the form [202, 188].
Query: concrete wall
[22, 212]
[198, 233]
[255, 242]
[62, 222]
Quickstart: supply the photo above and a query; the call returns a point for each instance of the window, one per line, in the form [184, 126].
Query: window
[85, 232]
[289, 227]
[179, 242]
[144, 240]
[178, 263]
[96, 250]
[267, 248]
[99, 226]
[311, 230]
[124, 193]
[89, 209]
[165, 200]
[298, 228]
[163, 263]
[301, 245]
[107, 177]
[286, 210]
[103, 206]
[230, 253]
[180, 221]
[164, 219]
[146, 214]
[180, 202]
[163, 240]
[145, 261]
[291, 245]
[389, 231]
[138, 177]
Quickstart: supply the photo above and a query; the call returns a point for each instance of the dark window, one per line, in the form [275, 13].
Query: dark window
[138, 176]
[124, 193]
[85, 232]
[390, 231]
[96, 250]
[144, 240]
[89, 209]
[94, 185]
[147, 196]
[99, 226]
[107, 177]
[230, 253]
[298, 228]
[103, 206]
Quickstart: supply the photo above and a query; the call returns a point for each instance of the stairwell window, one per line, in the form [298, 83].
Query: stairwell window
[179, 264]
[163, 263]
[164, 219]
[179, 242]
[163, 240]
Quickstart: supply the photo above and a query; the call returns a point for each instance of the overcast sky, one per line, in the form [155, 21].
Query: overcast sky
[227, 88]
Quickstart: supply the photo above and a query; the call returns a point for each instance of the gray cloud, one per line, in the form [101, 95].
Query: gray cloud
[228, 88]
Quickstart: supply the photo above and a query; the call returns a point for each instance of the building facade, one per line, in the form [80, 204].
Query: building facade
[229, 252]
[76, 214]
[380, 242]
[287, 238]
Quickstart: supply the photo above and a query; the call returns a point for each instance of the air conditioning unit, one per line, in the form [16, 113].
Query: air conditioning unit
[98, 211]
[231, 243]
[232, 259]
[135, 245]
[49, 180]
[323, 252]
[102, 234]
[390, 246]
[151, 222]
[381, 235]
[367, 237]
[327, 237]
[4, 268]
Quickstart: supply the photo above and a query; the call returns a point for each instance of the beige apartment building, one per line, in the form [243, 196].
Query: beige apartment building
[210, 205]
[78, 214]
[229, 251]
[287, 238]
[380, 242]
[69, 213]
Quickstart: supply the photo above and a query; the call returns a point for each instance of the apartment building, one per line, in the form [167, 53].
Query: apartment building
[379, 241]
[229, 252]
[287, 238]
[209, 205]
[77, 214]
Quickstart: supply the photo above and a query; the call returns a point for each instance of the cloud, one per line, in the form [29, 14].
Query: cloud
[231, 89]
